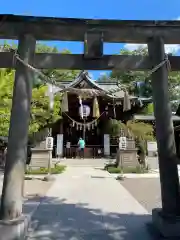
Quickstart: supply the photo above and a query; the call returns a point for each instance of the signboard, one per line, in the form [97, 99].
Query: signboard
[122, 143]
[106, 145]
[49, 143]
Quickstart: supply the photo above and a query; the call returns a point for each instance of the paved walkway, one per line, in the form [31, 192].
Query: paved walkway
[87, 162]
[88, 204]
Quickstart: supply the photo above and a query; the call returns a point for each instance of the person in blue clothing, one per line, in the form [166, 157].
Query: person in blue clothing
[81, 145]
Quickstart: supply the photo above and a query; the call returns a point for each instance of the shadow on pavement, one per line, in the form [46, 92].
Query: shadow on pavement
[61, 220]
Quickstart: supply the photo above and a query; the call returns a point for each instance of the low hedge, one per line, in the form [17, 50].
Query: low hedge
[137, 169]
[56, 170]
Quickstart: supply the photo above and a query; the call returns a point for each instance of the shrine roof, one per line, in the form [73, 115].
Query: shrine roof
[85, 81]
[140, 117]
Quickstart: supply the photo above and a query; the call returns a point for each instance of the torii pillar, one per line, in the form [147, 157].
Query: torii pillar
[12, 222]
[166, 220]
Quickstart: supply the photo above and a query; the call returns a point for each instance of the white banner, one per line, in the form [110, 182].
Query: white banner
[152, 146]
[59, 145]
[106, 145]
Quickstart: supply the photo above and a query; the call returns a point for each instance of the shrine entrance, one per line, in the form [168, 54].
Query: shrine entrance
[93, 32]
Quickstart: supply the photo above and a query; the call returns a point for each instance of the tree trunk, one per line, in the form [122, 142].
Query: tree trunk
[11, 202]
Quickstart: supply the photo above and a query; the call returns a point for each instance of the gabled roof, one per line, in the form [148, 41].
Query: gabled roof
[84, 77]
[87, 82]
[140, 117]
[106, 86]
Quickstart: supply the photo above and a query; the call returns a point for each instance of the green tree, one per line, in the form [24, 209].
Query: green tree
[6, 88]
[41, 115]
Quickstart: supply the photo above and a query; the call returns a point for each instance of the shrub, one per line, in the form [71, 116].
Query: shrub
[55, 170]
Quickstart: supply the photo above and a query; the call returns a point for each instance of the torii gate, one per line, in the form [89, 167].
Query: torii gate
[93, 33]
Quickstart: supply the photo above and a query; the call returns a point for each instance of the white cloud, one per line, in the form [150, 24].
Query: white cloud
[169, 48]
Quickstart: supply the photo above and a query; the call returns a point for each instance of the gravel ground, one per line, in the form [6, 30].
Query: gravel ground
[146, 191]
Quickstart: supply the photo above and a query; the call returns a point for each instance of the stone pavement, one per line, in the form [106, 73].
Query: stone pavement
[87, 162]
[146, 191]
[89, 204]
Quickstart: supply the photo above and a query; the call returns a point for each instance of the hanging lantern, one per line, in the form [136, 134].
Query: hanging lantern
[85, 111]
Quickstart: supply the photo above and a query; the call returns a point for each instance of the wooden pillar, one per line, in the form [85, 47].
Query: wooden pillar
[164, 131]
[11, 203]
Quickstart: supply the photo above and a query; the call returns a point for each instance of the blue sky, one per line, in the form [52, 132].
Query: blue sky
[114, 9]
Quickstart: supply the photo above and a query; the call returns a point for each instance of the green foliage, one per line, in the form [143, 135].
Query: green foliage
[40, 112]
[149, 109]
[138, 169]
[41, 115]
[55, 170]
[135, 129]
[6, 88]
[140, 130]
[129, 79]
[114, 127]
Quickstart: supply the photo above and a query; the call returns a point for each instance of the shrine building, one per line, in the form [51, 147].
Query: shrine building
[87, 115]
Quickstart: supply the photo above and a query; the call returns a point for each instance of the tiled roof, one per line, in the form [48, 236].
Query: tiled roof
[152, 118]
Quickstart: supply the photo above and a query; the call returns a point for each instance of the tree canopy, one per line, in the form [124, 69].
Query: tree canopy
[41, 115]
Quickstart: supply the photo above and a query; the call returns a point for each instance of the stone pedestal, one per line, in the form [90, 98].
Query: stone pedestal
[168, 227]
[14, 229]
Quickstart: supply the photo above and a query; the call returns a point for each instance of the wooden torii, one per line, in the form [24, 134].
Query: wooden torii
[93, 33]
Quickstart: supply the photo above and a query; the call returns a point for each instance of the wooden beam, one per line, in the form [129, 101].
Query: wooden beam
[77, 61]
[93, 45]
[68, 29]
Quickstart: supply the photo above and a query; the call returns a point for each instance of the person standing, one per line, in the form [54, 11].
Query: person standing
[81, 145]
